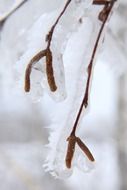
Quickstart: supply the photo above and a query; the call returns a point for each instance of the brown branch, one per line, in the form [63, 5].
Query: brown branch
[90, 66]
[103, 16]
[50, 34]
[72, 139]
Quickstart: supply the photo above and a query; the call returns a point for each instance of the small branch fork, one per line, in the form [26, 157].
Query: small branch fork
[47, 53]
[72, 139]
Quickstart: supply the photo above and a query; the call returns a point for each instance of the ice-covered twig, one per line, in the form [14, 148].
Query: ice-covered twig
[89, 23]
[48, 54]
[103, 16]
[50, 34]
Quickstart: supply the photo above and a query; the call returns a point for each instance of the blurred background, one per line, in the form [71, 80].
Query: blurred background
[23, 132]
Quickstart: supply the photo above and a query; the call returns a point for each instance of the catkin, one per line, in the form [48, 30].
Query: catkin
[49, 71]
[33, 61]
[85, 149]
[70, 151]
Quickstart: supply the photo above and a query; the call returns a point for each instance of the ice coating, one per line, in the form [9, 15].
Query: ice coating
[82, 162]
[36, 42]
[75, 64]
[72, 44]
[76, 61]
[68, 24]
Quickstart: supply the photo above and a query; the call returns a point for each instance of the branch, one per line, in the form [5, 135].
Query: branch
[50, 34]
[103, 16]
[45, 53]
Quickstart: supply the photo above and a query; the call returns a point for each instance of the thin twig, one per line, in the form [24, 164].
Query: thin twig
[50, 34]
[103, 16]
[90, 66]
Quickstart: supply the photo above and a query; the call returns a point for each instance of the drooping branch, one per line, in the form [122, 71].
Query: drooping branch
[103, 17]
